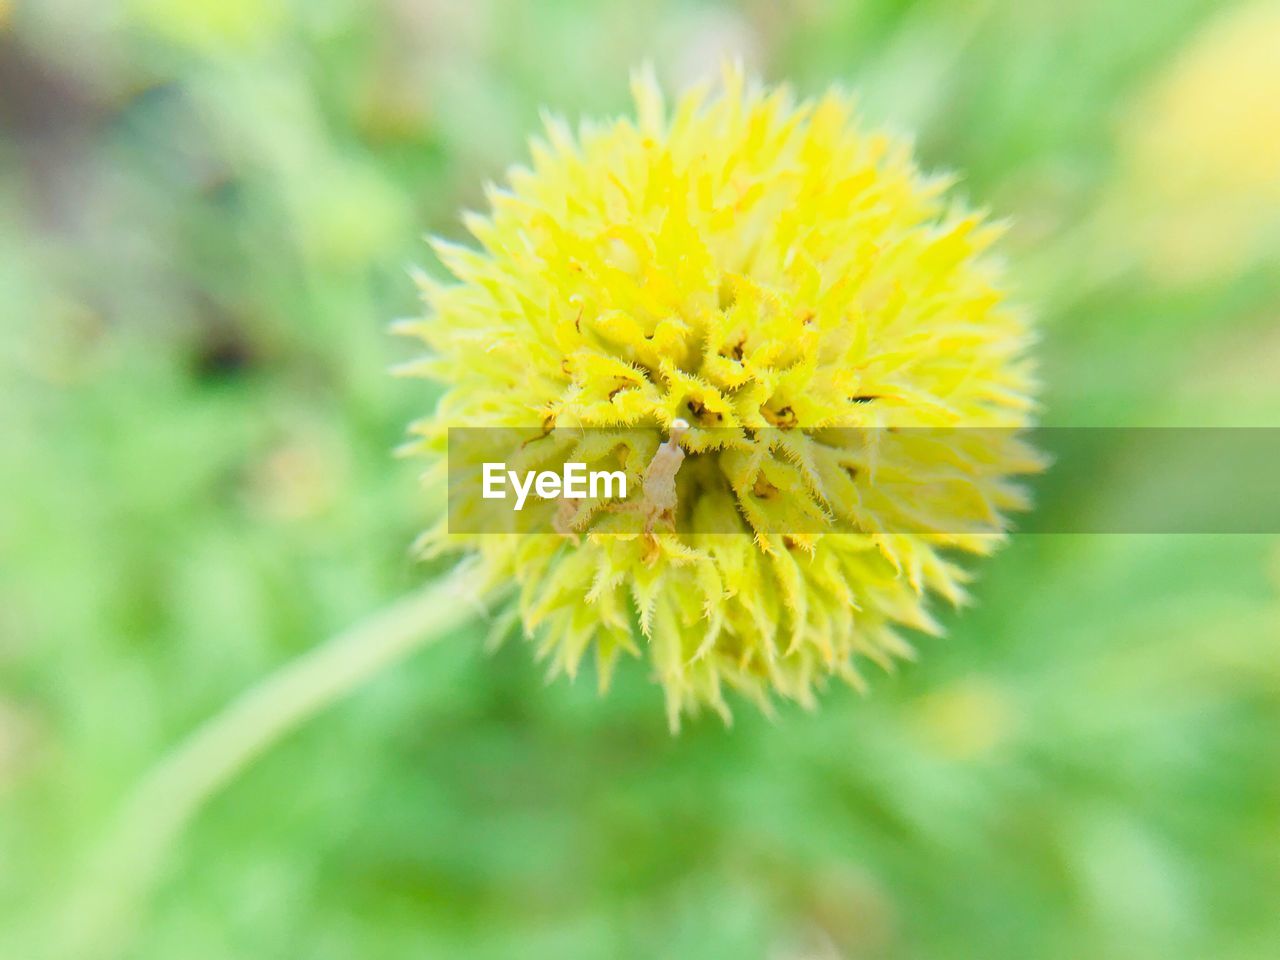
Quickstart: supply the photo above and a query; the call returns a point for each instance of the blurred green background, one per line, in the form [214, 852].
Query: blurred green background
[207, 212]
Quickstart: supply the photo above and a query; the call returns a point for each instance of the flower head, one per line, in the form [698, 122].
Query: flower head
[731, 282]
[1199, 191]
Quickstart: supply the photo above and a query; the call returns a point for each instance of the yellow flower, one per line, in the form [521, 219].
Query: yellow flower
[757, 271]
[1200, 151]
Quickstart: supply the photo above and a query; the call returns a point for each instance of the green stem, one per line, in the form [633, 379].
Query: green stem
[96, 922]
